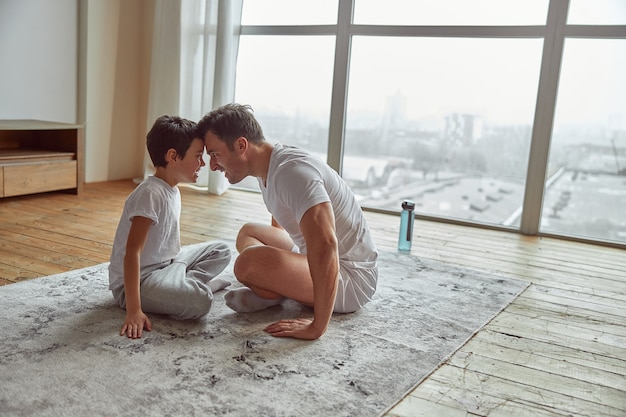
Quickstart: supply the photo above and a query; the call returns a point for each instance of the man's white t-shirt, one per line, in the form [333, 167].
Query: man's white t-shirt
[297, 181]
[158, 201]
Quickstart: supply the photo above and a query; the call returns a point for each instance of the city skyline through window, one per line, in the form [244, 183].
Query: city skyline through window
[448, 120]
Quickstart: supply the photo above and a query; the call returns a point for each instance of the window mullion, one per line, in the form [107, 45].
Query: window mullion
[544, 117]
[340, 85]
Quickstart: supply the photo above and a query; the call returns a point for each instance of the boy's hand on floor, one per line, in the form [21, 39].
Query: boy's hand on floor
[134, 325]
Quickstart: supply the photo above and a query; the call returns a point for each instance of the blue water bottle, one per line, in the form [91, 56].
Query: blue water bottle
[406, 225]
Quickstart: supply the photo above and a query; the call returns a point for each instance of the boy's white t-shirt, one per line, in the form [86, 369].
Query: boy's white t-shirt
[297, 181]
[156, 200]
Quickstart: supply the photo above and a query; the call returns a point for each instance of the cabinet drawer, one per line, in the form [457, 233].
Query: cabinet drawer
[39, 177]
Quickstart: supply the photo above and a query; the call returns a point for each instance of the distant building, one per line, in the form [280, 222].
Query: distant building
[463, 129]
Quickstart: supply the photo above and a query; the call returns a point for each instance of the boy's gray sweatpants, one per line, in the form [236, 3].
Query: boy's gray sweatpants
[179, 288]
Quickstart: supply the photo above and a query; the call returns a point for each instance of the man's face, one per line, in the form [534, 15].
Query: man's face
[224, 159]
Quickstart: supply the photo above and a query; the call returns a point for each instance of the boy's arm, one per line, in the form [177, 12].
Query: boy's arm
[135, 320]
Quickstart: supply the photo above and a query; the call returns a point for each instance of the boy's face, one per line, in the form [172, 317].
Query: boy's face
[224, 159]
[189, 166]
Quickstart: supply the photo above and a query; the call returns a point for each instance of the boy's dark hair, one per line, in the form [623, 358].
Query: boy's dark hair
[169, 132]
[230, 122]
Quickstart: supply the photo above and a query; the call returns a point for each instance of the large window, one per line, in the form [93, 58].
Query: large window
[453, 104]
[288, 81]
[586, 189]
[450, 12]
[289, 12]
[427, 130]
[597, 12]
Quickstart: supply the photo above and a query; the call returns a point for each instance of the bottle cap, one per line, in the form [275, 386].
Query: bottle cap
[408, 205]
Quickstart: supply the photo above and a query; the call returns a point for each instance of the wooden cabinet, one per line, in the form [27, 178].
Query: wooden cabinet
[38, 156]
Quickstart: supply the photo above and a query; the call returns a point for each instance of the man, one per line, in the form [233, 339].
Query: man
[318, 249]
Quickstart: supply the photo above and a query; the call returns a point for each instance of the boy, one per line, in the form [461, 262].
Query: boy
[148, 271]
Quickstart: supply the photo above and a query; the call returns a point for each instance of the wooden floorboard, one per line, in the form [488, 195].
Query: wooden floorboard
[558, 350]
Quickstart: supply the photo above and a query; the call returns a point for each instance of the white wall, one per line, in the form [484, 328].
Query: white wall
[38, 60]
[113, 102]
[101, 36]
[115, 43]
[84, 62]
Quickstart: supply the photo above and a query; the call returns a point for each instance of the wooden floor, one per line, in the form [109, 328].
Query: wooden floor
[558, 350]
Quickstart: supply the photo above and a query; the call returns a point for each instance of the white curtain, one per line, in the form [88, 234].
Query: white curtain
[164, 70]
[193, 64]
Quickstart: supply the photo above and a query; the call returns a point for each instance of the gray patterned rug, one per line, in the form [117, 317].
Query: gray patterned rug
[61, 354]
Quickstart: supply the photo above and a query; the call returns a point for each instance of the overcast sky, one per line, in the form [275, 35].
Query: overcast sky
[494, 78]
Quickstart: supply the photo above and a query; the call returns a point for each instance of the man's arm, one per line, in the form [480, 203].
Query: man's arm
[135, 320]
[275, 223]
[318, 228]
